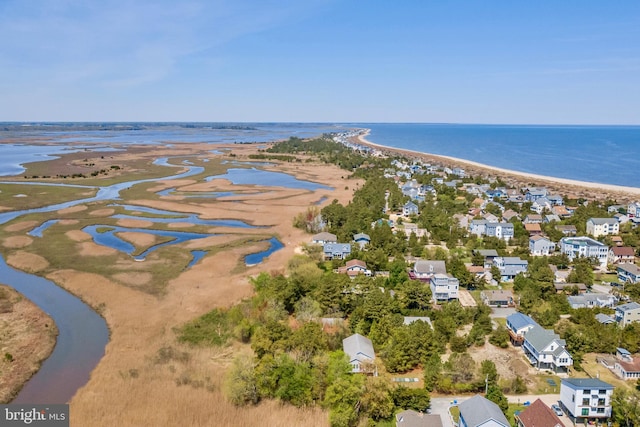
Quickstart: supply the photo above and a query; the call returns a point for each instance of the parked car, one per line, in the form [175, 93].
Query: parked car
[557, 410]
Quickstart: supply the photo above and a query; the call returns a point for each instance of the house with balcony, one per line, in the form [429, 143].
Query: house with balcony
[501, 230]
[628, 273]
[444, 287]
[626, 366]
[361, 239]
[621, 254]
[535, 193]
[546, 350]
[424, 270]
[583, 246]
[324, 237]
[354, 267]
[602, 226]
[499, 298]
[627, 313]
[567, 230]
[592, 300]
[586, 400]
[518, 324]
[336, 250]
[510, 267]
[541, 246]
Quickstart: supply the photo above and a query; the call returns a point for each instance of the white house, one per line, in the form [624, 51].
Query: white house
[359, 350]
[541, 246]
[444, 287]
[545, 350]
[602, 226]
[425, 269]
[510, 267]
[575, 247]
[592, 300]
[518, 324]
[628, 273]
[586, 399]
[627, 313]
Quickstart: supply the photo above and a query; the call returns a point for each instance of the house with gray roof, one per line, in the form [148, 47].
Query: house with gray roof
[411, 418]
[592, 300]
[586, 400]
[480, 411]
[510, 267]
[541, 246]
[605, 319]
[627, 313]
[545, 350]
[407, 320]
[444, 287]
[425, 269]
[359, 350]
[628, 273]
[583, 246]
[361, 239]
[602, 226]
[324, 237]
[336, 250]
[518, 324]
[409, 208]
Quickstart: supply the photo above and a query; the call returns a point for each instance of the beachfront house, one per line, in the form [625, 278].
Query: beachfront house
[602, 226]
[586, 400]
[583, 246]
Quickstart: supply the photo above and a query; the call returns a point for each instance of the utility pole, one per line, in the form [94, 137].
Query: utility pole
[486, 385]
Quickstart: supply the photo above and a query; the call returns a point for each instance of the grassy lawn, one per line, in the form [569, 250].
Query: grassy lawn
[542, 384]
[597, 370]
[511, 411]
[455, 413]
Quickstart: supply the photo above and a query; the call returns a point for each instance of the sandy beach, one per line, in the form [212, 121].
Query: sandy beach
[572, 188]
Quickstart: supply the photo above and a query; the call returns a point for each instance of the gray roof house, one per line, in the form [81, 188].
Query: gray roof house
[545, 349]
[518, 324]
[592, 300]
[540, 246]
[359, 350]
[409, 208]
[510, 267]
[629, 273]
[411, 418]
[479, 411]
[425, 269]
[361, 239]
[336, 250]
[627, 313]
[324, 237]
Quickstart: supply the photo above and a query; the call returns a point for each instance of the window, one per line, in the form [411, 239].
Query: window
[601, 402]
[586, 391]
[600, 411]
[585, 401]
[585, 412]
[602, 391]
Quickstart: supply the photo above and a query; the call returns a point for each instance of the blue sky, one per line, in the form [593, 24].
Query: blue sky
[557, 62]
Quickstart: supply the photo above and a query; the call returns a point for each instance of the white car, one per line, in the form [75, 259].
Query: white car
[557, 410]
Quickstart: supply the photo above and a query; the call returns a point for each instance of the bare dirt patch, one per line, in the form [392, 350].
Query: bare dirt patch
[95, 250]
[27, 337]
[134, 223]
[78, 235]
[14, 242]
[138, 239]
[72, 209]
[19, 226]
[102, 212]
[68, 222]
[27, 261]
[179, 225]
[139, 278]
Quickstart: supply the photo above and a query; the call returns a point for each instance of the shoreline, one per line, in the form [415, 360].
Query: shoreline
[511, 176]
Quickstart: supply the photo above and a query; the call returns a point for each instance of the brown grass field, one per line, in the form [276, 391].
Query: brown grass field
[136, 383]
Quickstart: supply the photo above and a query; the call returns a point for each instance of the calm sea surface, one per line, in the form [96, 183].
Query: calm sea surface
[603, 154]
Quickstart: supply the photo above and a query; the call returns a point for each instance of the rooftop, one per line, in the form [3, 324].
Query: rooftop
[586, 383]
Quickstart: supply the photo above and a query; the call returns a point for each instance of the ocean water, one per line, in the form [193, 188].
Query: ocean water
[602, 154]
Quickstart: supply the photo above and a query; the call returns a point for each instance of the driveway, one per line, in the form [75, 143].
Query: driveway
[440, 406]
[501, 312]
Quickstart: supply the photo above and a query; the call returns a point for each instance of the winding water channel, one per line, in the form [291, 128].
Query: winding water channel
[83, 334]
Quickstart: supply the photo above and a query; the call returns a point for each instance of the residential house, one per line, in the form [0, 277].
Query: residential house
[621, 218]
[626, 366]
[602, 226]
[409, 208]
[489, 217]
[480, 411]
[613, 209]
[633, 209]
[407, 320]
[489, 255]
[555, 199]
[550, 218]
[541, 204]
[518, 324]
[411, 418]
[510, 267]
[501, 230]
[500, 298]
[532, 219]
[409, 228]
[324, 237]
[361, 239]
[605, 319]
[583, 246]
[509, 214]
[621, 254]
[359, 350]
[463, 220]
[628, 273]
[535, 193]
[354, 267]
[561, 211]
[444, 287]
[336, 250]
[586, 399]
[541, 246]
[478, 227]
[562, 287]
[592, 300]
[617, 241]
[425, 269]
[627, 313]
[538, 414]
[533, 229]
[567, 230]
[545, 350]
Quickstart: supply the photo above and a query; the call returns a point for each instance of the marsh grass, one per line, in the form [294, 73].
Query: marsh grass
[39, 195]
